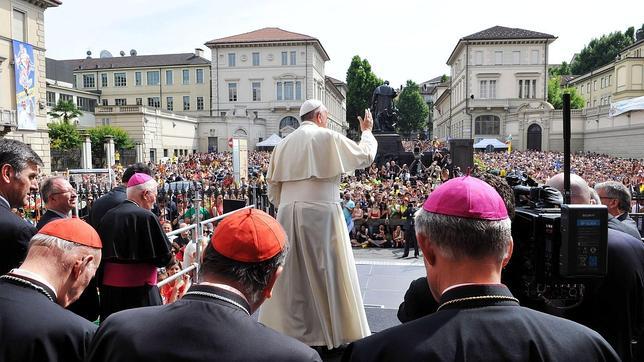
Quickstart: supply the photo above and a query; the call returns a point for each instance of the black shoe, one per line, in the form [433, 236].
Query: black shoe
[404, 256]
[326, 353]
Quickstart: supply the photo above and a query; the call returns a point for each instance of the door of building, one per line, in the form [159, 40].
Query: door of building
[212, 144]
[534, 137]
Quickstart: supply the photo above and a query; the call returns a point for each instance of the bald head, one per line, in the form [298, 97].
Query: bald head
[579, 190]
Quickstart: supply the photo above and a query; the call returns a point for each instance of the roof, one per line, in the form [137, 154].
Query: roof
[501, 32]
[434, 80]
[266, 35]
[262, 35]
[137, 61]
[58, 70]
[636, 44]
[336, 81]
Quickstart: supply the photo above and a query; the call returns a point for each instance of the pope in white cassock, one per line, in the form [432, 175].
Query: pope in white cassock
[317, 300]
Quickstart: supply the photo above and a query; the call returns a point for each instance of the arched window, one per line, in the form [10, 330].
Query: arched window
[487, 124]
[240, 133]
[287, 125]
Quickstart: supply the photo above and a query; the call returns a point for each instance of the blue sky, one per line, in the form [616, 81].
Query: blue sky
[404, 39]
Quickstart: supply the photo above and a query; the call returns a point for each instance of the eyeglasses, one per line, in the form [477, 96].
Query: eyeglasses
[72, 192]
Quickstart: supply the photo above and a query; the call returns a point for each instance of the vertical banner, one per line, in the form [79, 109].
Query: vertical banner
[240, 159]
[25, 71]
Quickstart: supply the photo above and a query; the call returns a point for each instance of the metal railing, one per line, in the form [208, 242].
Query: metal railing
[197, 226]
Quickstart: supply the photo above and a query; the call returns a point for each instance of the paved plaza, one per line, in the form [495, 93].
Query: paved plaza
[384, 277]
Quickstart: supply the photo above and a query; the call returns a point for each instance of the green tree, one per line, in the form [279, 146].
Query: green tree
[97, 136]
[64, 136]
[64, 111]
[413, 110]
[555, 94]
[361, 82]
[444, 78]
[562, 69]
[601, 51]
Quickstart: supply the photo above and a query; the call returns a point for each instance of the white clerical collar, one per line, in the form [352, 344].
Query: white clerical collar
[464, 284]
[226, 287]
[35, 276]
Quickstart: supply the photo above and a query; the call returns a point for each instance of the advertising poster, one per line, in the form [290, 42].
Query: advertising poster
[25, 69]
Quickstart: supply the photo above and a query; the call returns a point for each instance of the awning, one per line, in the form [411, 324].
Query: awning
[271, 141]
[484, 143]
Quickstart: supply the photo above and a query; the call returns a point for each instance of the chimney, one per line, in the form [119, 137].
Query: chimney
[199, 52]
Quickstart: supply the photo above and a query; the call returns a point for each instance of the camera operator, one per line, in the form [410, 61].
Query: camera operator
[410, 233]
[614, 307]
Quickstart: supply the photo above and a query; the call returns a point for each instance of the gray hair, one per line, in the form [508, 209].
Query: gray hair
[47, 187]
[595, 196]
[254, 277]
[458, 238]
[64, 246]
[617, 191]
[134, 191]
[17, 154]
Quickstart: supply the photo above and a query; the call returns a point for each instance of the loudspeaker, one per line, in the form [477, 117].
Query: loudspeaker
[462, 153]
[232, 205]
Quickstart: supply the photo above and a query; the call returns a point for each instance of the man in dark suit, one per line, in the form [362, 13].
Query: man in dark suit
[34, 325]
[117, 195]
[614, 307]
[59, 197]
[240, 267]
[617, 199]
[464, 232]
[19, 168]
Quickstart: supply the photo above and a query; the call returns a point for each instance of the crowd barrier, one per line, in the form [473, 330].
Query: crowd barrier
[198, 227]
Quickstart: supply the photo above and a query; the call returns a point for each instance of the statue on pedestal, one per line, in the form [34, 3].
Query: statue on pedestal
[385, 114]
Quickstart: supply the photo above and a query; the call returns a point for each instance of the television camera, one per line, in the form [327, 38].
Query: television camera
[560, 250]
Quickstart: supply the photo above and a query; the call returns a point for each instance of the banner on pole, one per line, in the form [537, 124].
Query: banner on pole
[25, 74]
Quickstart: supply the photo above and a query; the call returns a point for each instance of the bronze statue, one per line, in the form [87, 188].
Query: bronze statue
[385, 114]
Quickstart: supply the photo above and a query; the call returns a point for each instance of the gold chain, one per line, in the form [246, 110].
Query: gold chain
[29, 284]
[478, 297]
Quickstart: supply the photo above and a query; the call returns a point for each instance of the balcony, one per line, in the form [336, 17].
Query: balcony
[118, 109]
[8, 117]
[287, 105]
[8, 121]
[488, 103]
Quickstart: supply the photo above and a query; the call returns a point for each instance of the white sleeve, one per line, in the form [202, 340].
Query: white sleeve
[356, 155]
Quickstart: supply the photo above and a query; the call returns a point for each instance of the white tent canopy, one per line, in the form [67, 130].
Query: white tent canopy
[271, 141]
[484, 143]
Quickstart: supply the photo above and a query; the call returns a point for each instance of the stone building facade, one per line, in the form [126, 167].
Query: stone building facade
[24, 21]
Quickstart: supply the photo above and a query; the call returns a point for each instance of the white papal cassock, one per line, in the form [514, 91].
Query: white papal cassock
[317, 299]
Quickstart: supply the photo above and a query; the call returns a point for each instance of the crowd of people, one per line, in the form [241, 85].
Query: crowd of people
[298, 265]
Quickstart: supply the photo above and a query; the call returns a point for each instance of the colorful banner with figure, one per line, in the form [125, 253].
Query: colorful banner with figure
[25, 68]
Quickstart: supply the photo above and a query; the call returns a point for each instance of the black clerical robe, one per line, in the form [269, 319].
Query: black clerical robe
[483, 323]
[207, 324]
[131, 236]
[34, 328]
[15, 234]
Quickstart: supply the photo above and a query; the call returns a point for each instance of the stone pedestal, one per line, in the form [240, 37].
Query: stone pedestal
[109, 151]
[389, 147]
[86, 153]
